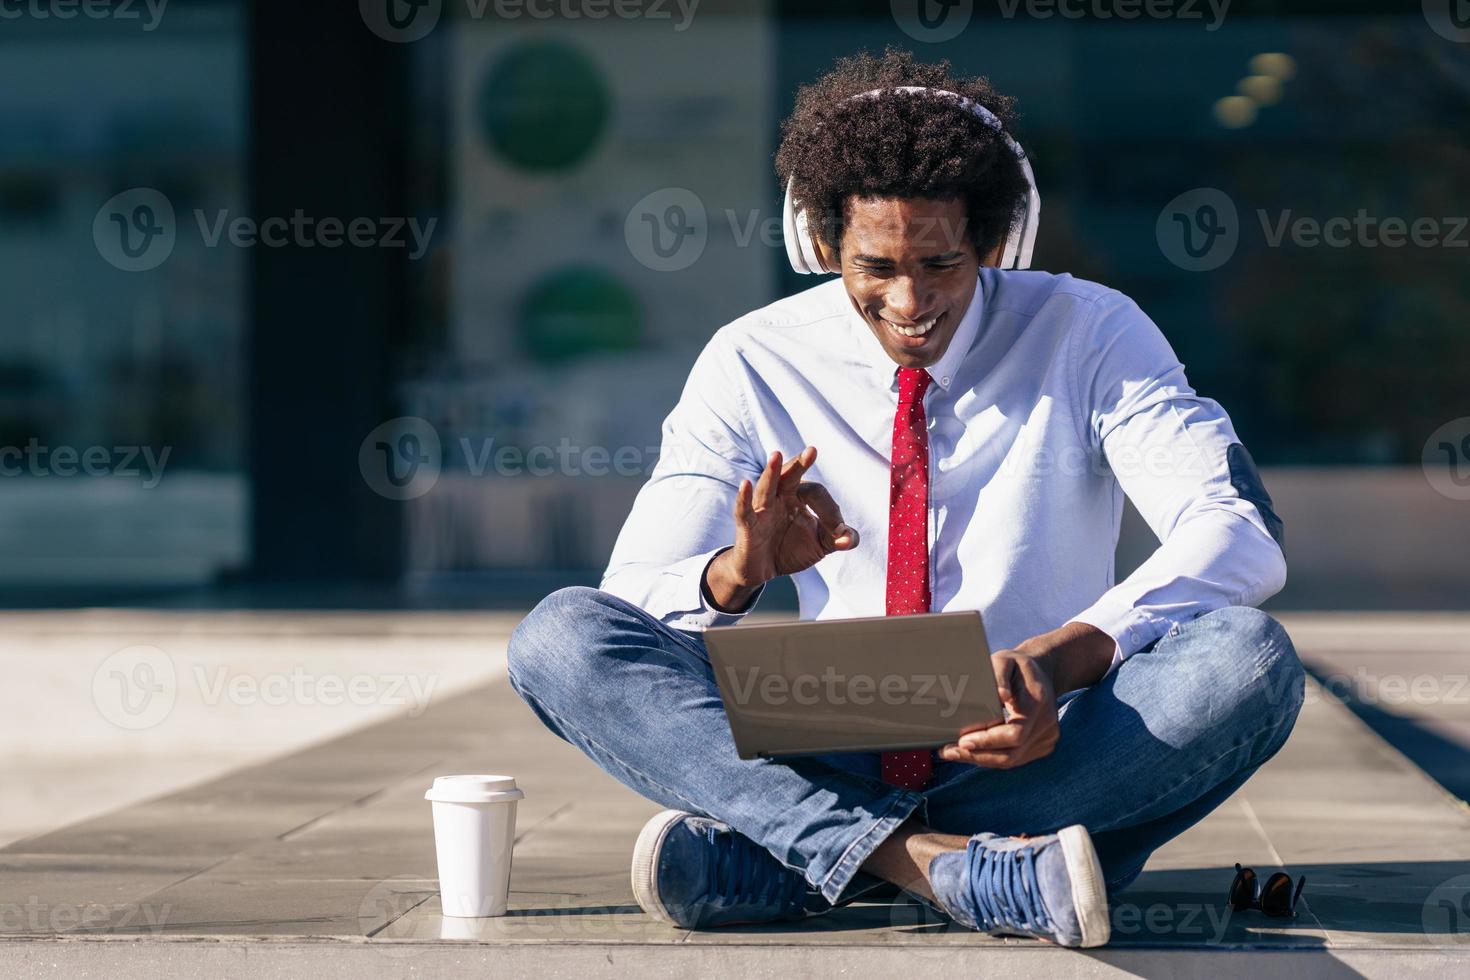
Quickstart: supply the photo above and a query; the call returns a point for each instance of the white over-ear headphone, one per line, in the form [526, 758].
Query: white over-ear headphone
[801, 246]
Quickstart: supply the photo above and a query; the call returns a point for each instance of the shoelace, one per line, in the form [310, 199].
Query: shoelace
[743, 873]
[1003, 890]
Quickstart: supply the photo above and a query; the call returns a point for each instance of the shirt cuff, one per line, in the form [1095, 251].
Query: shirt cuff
[693, 609]
[1131, 628]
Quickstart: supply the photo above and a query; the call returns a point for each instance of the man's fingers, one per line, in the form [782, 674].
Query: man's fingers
[1007, 684]
[743, 506]
[1007, 736]
[839, 535]
[792, 473]
[817, 547]
[769, 483]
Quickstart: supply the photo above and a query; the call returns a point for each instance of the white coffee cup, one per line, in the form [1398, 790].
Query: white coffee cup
[474, 831]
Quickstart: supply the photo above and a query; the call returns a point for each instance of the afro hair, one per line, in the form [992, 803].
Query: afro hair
[900, 145]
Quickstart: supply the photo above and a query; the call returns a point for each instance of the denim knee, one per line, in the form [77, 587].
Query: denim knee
[549, 636]
[1268, 672]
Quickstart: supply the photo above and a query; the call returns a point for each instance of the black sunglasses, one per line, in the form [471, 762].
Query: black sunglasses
[1275, 898]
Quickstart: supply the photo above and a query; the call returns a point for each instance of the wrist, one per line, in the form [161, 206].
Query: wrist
[735, 572]
[1074, 656]
[726, 586]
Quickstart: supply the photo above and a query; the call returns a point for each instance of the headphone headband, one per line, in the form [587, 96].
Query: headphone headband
[801, 245]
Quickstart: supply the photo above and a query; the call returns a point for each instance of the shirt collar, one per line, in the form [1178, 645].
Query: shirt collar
[946, 368]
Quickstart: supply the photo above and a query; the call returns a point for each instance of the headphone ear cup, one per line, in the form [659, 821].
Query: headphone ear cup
[800, 251]
[801, 247]
[789, 233]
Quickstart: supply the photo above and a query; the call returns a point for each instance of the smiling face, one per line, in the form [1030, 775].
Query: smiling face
[909, 268]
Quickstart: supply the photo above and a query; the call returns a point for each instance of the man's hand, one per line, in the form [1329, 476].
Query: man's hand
[782, 525]
[1030, 730]
[1028, 677]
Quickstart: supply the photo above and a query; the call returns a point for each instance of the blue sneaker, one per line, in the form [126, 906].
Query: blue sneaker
[1049, 887]
[695, 872]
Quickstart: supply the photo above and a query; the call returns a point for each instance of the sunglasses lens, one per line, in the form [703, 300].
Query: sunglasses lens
[1243, 889]
[1276, 896]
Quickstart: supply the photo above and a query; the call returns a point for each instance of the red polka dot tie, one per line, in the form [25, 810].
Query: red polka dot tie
[908, 542]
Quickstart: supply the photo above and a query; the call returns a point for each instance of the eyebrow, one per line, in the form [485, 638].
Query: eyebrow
[880, 260]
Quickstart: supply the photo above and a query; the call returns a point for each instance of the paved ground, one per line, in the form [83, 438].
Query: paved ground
[101, 709]
[321, 862]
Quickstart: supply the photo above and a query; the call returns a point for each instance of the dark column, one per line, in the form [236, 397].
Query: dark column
[327, 138]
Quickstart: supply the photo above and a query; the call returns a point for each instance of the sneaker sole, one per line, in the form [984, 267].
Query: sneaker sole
[1089, 896]
[645, 864]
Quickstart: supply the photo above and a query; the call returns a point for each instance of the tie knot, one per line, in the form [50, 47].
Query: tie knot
[912, 383]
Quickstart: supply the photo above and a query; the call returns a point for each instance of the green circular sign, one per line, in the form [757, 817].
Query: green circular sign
[579, 310]
[543, 106]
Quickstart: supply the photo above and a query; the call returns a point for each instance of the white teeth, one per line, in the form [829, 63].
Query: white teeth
[917, 330]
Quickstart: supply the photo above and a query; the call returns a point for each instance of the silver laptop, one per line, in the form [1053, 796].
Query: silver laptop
[878, 683]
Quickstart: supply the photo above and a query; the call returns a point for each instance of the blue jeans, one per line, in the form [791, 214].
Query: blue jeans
[1143, 755]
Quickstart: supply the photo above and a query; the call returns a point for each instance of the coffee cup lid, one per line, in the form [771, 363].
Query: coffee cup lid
[474, 789]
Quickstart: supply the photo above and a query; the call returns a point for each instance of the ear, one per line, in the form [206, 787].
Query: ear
[993, 259]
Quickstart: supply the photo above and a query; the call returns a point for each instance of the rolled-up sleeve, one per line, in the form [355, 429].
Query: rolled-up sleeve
[683, 516]
[1177, 457]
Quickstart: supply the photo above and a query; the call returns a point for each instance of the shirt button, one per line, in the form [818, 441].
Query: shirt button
[944, 381]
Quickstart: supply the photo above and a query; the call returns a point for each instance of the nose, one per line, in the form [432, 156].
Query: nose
[908, 298]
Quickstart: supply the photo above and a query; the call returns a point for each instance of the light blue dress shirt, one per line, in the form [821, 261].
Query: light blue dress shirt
[1055, 398]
